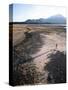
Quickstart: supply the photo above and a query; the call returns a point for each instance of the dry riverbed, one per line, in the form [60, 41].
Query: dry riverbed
[35, 56]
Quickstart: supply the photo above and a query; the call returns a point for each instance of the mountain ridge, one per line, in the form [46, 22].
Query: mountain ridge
[52, 19]
[55, 19]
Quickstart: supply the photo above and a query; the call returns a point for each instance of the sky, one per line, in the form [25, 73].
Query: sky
[22, 12]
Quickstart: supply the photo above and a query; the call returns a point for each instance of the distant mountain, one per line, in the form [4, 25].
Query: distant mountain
[56, 19]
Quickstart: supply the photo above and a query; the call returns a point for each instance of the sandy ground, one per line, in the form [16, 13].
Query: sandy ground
[52, 42]
[49, 46]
